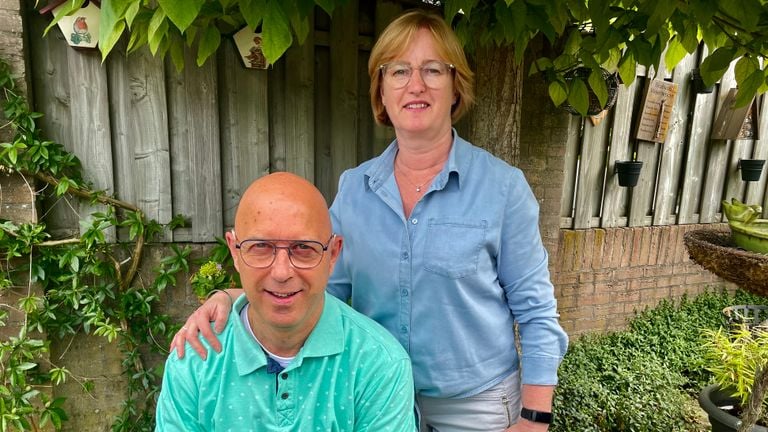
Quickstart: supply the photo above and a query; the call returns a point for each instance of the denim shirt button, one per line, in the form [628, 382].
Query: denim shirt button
[405, 256]
[414, 221]
[404, 292]
[403, 329]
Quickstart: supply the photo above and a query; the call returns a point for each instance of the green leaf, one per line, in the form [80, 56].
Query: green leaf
[748, 88]
[277, 33]
[675, 52]
[628, 68]
[253, 12]
[578, 97]
[598, 85]
[558, 92]
[745, 12]
[181, 12]
[111, 24]
[209, 43]
[745, 67]
[714, 66]
[156, 24]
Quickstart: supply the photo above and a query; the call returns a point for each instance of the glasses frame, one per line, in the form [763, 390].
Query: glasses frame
[382, 67]
[238, 245]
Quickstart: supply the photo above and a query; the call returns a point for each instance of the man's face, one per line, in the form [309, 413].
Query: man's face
[283, 297]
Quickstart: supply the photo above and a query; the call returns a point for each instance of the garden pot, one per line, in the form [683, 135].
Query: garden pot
[711, 399]
[751, 169]
[629, 172]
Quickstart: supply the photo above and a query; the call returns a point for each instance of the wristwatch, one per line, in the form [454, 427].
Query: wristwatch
[536, 416]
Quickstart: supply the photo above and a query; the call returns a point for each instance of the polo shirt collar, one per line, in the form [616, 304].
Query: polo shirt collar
[326, 339]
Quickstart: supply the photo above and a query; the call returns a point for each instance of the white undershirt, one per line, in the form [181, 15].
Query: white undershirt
[283, 361]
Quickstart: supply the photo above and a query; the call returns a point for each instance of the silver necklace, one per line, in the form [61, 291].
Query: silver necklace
[417, 186]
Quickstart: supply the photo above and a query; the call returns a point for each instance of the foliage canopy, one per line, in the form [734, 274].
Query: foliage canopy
[618, 35]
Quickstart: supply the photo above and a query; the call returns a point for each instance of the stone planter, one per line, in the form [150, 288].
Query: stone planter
[711, 399]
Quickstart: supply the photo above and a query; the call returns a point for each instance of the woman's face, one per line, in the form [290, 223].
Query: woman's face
[417, 109]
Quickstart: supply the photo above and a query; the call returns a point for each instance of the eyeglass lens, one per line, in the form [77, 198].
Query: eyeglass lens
[261, 254]
[433, 73]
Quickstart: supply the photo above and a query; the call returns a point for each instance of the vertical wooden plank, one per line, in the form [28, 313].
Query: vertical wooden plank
[756, 191]
[300, 117]
[344, 52]
[672, 149]
[642, 195]
[386, 12]
[591, 174]
[695, 165]
[717, 162]
[244, 119]
[734, 185]
[277, 116]
[50, 84]
[140, 133]
[324, 176]
[195, 149]
[615, 199]
[570, 166]
[91, 135]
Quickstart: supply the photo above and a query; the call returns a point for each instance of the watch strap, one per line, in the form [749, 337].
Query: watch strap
[536, 416]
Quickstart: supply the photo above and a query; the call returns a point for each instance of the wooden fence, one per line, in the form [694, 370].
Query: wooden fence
[683, 180]
[189, 143]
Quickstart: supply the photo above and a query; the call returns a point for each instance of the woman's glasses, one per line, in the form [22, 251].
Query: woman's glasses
[434, 73]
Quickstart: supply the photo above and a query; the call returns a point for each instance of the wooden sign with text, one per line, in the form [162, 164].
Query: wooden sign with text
[657, 109]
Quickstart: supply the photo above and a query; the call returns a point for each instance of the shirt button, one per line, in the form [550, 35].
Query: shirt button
[414, 221]
[284, 375]
[404, 292]
[405, 255]
[284, 396]
[403, 329]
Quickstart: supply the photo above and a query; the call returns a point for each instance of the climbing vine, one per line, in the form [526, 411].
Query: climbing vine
[84, 285]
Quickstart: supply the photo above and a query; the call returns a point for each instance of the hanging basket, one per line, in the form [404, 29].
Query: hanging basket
[715, 251]
[611, 81]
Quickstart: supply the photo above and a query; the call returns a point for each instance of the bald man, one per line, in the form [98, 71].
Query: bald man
[293, 358]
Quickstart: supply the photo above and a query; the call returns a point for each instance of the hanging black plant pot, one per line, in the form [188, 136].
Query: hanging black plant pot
[751, 169]
[628, 172]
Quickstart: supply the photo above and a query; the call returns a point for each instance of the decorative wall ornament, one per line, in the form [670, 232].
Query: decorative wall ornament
[248, 43]
[736, 123]
[657, 109]
[80, 28]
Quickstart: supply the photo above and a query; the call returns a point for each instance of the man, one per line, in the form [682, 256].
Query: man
[294, 358]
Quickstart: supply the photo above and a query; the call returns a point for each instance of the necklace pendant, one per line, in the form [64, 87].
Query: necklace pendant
[418, 188]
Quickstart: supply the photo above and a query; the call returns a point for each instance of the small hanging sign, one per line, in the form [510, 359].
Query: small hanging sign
[657, 110]
[249, 45]
[81, 27]
[735, 123]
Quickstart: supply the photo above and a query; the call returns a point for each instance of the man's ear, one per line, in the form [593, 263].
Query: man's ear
[232, 245]
[335, 247]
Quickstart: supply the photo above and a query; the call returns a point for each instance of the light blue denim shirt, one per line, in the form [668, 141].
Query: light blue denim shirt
[449, 281]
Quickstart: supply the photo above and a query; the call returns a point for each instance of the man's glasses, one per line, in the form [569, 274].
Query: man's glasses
[303, 254]
[434, 73]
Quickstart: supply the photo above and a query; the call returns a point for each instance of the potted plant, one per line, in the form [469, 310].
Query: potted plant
[738, 359]
[628, 172]
[211, 276]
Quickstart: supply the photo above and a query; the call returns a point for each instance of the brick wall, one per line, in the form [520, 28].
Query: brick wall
[602, 276]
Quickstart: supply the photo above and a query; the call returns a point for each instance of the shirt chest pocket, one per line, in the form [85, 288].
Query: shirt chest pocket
[452, 247]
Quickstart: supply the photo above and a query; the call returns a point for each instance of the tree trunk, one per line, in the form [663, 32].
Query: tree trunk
[494, 121]
[755, 402]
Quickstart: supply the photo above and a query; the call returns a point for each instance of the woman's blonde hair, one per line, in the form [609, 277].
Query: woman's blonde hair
[398, 36]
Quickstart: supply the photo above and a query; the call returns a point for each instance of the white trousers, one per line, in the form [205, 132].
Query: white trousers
[490, 411]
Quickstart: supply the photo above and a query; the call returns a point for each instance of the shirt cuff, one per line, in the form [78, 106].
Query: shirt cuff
[542, 370]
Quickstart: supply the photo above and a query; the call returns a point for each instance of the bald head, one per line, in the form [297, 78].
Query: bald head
[282, 205]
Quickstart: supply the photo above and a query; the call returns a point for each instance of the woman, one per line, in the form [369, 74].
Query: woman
[442, 247]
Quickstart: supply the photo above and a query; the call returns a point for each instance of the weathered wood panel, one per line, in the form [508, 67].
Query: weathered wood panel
[674, 145]
[90, 124]
[343, 97]
[717, 162]
[591, 174]
[621, 147]
[299, 115]
[570, 172]
[756, 191]
[195, 149]
[140, 133]
[244, 105]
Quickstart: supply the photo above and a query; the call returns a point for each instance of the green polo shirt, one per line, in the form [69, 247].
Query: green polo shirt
[350, 375]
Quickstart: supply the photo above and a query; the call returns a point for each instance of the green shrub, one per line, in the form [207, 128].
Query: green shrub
[641, 379]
